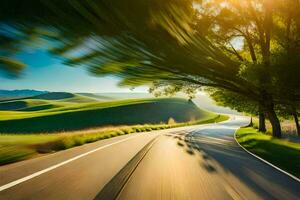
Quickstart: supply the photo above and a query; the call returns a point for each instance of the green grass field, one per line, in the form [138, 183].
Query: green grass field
[44, 102]
[46, 116]
[279, 152]
[57, 121]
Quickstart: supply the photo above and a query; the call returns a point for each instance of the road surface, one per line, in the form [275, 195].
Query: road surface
[197, 162]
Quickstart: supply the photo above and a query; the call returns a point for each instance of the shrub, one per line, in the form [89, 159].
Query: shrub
[171, 121]
[112, 135]
[79, 140]
[137, 129]
[105, 137]
[127, 131]
[64, 143]
[118, 132]
[148, 129]
[91, 139]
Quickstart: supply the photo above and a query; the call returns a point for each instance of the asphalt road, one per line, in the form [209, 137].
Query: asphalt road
[198, 162]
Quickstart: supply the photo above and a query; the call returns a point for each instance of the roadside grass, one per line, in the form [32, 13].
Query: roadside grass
[280, 152]
[16, 147]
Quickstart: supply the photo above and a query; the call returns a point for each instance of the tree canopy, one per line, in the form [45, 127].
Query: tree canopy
[248, 47]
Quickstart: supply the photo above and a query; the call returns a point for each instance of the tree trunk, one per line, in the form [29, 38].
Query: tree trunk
[267, 106]
[251, 122]
[276, 128]
[295, 115]
[262, 122]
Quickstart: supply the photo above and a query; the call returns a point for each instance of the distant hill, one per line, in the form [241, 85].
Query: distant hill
[29, 105]
[99, 96]
[96, 114]
[48, 100]
[19, 96]
[118, 95]
[65, 97]
[54, 96]
[20, 93]
[14, 94]
[44, 101]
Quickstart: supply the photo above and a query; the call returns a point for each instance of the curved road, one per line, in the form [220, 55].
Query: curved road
[197, 162]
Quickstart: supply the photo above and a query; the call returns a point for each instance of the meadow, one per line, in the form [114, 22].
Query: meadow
[69, 113]
[57, 121]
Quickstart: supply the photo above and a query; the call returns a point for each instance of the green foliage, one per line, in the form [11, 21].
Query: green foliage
[250, 48]
[11, 66]
[171, 88]
[229, 48]
[139, 55]
[234, 101]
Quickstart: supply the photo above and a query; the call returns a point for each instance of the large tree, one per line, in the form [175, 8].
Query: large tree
[186, 40]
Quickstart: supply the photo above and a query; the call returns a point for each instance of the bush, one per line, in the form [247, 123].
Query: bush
[105, 137]
[112, 135]
[78, 141]
[136, 129]
[91, 139]
[148, 129]
[64, 144]
[119, 132]
[128, 130]
[171, 121]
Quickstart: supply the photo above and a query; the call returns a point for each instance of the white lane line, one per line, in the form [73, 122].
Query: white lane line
[26, 178]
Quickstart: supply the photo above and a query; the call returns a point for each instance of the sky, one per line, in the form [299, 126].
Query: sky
[46, 72]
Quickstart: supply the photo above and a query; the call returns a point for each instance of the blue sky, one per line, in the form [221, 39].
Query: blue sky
[45, 72]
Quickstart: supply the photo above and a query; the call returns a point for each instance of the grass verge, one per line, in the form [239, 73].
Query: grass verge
[282, 153]
[16, 147]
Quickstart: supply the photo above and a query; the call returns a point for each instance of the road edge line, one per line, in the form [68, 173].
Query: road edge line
[263, 160]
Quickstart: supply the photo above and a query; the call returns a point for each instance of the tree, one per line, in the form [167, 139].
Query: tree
[222, 97]
[167, 88]
[253, 22]
[239, 103]
[287, 111]
[191, 41]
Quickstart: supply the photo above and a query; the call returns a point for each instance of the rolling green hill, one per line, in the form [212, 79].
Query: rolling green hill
[65, 97]
[98, 96]
[30, 105]
[62, 114]
[45, 101]
[118, 95]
